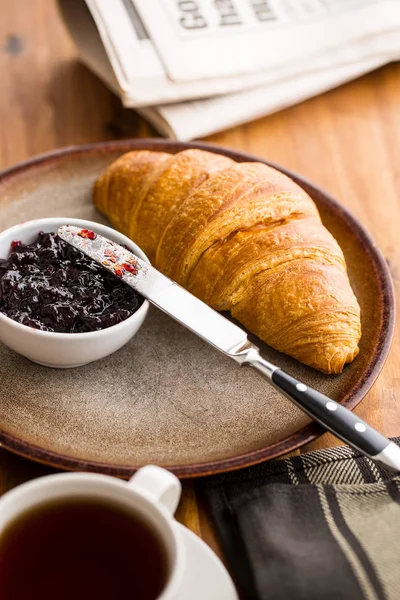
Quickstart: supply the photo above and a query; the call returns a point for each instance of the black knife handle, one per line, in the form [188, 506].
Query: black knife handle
[333, 416]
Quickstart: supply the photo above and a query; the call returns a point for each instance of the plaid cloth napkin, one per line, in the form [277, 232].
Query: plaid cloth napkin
[323, 525]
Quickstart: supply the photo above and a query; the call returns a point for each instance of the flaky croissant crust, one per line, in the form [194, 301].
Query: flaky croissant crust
[245, 238]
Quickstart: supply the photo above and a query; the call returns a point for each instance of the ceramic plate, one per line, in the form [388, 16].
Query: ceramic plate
[166, 397]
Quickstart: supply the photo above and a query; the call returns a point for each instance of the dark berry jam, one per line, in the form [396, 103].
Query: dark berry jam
[49, 285]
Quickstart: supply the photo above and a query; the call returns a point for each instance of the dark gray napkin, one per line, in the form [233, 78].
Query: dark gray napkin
[323, 525]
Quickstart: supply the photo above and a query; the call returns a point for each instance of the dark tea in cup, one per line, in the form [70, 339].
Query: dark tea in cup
[81, 549]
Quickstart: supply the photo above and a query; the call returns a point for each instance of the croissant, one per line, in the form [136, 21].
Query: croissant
[243, 238]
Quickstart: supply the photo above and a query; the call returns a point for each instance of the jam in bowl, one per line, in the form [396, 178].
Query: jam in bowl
[51, 286]
[58, 307]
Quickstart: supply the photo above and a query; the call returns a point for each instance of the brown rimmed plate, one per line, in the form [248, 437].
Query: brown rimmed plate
[166, 397]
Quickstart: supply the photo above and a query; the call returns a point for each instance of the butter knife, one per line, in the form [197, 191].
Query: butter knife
[232, 341]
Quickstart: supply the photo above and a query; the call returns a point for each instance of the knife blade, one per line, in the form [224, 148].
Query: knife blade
[161, 291]
[231, 340]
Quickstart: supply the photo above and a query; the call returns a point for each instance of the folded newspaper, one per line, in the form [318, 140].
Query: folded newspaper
[194, 67]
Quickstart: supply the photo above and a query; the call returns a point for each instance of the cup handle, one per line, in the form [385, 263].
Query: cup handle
[158, 485]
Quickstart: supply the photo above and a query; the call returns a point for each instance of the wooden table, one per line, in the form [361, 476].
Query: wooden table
[347, 140]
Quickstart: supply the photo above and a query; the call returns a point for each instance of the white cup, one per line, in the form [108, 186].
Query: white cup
[152, 494]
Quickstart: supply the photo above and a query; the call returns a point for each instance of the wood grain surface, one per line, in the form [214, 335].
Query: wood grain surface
[347, 140]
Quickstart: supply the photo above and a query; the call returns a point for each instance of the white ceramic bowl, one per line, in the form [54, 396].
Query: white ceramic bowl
[66, 349]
